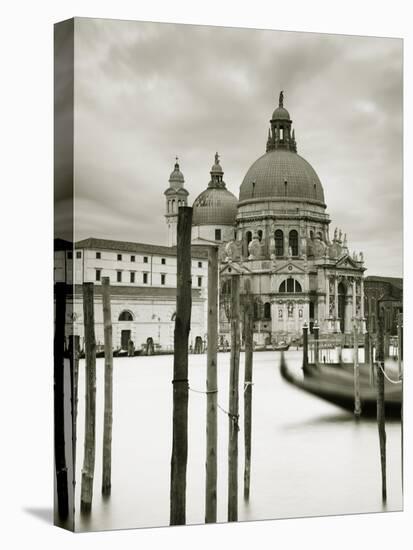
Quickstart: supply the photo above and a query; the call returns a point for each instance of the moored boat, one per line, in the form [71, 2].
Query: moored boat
[338, 388]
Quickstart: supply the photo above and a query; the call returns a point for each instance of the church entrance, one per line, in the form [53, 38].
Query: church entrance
[341, 305]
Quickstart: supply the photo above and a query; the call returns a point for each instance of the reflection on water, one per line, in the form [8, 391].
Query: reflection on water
[308, 457]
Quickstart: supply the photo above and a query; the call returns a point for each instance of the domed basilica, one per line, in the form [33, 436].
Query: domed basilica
[276, 237]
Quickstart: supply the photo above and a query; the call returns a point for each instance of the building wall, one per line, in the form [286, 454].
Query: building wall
[207, 232]
[152, 318]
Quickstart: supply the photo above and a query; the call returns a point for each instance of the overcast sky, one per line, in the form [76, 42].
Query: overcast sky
[145, 92]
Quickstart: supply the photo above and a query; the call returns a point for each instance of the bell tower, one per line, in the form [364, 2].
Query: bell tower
[176, 195]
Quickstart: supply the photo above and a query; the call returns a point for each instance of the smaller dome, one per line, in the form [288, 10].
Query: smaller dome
[215, 206]
[280, 114]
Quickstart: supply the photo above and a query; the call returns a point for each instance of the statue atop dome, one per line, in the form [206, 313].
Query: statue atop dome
[281, 99]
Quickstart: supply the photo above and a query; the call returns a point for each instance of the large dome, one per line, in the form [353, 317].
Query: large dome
[215, 206]
[281, 174]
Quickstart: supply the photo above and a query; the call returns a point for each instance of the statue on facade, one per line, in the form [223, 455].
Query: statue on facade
[231, 251]
[254, 248]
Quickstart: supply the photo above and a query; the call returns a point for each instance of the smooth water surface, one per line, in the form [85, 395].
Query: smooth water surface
[309, 458]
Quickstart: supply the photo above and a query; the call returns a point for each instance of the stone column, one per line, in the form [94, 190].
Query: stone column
[354, 300]
[286, 242]
[336, 320]
[363, 319]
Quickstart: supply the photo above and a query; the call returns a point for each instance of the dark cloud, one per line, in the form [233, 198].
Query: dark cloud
[145, 92]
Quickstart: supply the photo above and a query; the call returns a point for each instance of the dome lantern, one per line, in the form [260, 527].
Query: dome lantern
[280, 136]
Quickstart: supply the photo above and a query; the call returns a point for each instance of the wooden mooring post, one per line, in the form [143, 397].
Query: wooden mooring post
[316, 330]
[212, 389]
[305, 345]
[180, 373]
[234, 402]
[88, 469]
[59, 411]
[249, 339]
[108, 406]
[399, 345]
[381, 418]
[357, 402]
[74, 349]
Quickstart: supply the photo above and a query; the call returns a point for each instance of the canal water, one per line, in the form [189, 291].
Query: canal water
[309, 458]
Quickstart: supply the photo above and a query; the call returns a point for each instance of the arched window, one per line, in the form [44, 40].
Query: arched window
[279, 242]
[260, 235]
[248, 237]
[293, 242]
[125, 316]
[290, 285]
[267, 310]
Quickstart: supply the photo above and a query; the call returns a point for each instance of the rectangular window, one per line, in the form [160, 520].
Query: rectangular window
[119, 276]
[70, 255]
[145, 278]
[132, 258]
[119, 257]
[132, 276]
[145, 259]
[98, 271]
[199, 264]
[217, 234]
[78, 254]
[199, 281]
[163, 261]
[163, 279]
[98, 255]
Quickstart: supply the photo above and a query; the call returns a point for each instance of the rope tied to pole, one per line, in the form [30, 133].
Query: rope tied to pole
[233, 417]
[387, 377]
[180, 380]
[202, 391]
[247, 383]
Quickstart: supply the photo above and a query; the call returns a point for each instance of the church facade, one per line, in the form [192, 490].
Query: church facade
[276, 237]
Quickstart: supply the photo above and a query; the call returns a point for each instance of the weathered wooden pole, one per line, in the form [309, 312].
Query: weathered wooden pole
[74, 348]
[180, 374]
[88, 469]
[399, 345]
[234, 402]
[212, 388]
[357, 402]
[59, 412]
[108, 407]
[305, 345]
[316, 330]
[381, 419]
[249, 338]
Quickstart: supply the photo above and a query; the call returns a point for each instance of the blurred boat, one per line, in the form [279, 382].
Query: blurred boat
[281, 346]
[338, 388]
